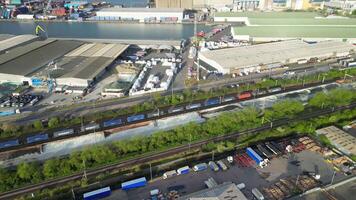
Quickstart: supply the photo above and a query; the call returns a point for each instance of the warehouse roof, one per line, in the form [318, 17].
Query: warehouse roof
[283, 51]
[224, 191]
[341, 139]
[88, 60]
[15, 41]
[135, 10]
[34, 60]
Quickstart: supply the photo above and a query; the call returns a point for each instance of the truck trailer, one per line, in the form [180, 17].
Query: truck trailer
[183, 170]
[136, 183]
[200, 167]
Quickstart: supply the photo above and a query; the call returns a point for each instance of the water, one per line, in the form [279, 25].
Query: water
[101, 30]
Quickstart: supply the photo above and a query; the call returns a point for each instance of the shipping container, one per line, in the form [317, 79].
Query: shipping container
[136, 183]
[200, 167]
[97, 194]
[134, 118]
[265, 151]
[113, 122]
[211, 102]
[90, 127]
[222, 165]
[9, 143]
[276, 89]
[169, 174]
[257, 194]
[244, 95]
[213, 166]
[252, 154]
[176, 109]
[193, 106]
[273, 148]
[63, 133]
[37, 138]
[228, 99]
[183, 170]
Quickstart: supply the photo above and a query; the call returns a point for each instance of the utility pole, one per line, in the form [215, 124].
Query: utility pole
[332, 179]
[85, 171]
[73, 194]
[151, 170]
[190, 140]
[212, 156]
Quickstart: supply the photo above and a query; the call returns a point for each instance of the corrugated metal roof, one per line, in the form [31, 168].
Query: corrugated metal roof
[15, 41]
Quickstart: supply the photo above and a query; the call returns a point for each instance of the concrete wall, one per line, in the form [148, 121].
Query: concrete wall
[72, 82]
[174, 4]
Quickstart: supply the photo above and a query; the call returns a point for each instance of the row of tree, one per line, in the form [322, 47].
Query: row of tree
[226, 123]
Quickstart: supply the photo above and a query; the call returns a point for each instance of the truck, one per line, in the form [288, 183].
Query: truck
[222, 165]
[97, 194]
[213, 166]
[257, 158]
[183, 170]
[169, 174]
[200, 167]
[257, 194]
[136, 183]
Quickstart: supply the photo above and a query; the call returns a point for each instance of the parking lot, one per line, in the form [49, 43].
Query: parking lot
[290, 166]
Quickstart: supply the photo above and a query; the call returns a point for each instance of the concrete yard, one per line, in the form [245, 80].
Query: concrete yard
[252, 177]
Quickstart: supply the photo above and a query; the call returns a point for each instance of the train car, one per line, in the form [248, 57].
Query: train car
[211, 102]
[153, 114]
[37, 138]
[259, 92]
[193, 106]
[63, 133]
[275, 89]
[134, 118]
[112, 122]
[176, 109]
[9, 143]
[97, 194]
[228, 99]
[90, 127]
[244, 95]
[136, 183]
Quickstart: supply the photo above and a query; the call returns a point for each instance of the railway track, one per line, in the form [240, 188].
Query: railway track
[21, 142]
[146, 158]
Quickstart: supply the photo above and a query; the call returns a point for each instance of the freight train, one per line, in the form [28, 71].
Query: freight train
[125, 120]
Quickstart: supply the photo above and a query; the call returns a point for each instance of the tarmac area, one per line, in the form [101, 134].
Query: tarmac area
[252, 177]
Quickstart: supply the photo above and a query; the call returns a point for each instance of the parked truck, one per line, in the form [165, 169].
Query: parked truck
[257, 194]
[213, 166]
[169, 174]
[200, 167]
[183, 170]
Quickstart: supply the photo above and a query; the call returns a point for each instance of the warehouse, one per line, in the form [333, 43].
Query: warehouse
[84, 65]
[257, 58]
[15, 41]
[340, 139]
[58, 63]
[142, 14]
[18, 64]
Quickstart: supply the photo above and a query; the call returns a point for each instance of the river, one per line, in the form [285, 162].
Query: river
[105, 30]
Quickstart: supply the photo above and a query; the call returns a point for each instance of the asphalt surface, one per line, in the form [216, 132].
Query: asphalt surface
[143, 159]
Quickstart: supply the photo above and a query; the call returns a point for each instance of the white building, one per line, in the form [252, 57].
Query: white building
[247, 4]
[346, 5]
[143, 14]
[255, 58]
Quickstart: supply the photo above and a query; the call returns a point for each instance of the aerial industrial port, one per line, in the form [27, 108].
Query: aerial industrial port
[177, 99]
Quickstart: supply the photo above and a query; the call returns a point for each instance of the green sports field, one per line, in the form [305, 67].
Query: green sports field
[300, 31]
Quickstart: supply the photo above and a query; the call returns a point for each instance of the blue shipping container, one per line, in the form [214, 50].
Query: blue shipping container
[211, 102]
[9, 143]
[135, 118]
[112, 122]
[97, 194]
[257, 158]
[36, 138]
[140, 182]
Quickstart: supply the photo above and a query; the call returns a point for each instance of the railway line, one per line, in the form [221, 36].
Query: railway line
[146, 158]
[33, 139]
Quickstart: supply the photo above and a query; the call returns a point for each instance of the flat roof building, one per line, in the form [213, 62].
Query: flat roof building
[340, 139]
[142, 14]
[225, 191]
[235, 60]
[15, 41]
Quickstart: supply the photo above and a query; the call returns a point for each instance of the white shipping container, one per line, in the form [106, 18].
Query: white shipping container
[24, 16]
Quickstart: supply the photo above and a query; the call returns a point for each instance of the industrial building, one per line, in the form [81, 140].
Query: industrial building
[142, 14]
[190, 4]
[257, 58]
[58, 63]
[223, 191]
[340, 139]
[15, 41]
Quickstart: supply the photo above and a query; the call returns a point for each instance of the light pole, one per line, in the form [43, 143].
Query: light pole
[151, 170]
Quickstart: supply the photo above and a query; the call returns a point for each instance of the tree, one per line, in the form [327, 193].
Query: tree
[53, 122]
[29, 172]
[287, 108]
[37, 125]
[51, 168]
[320, 100]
